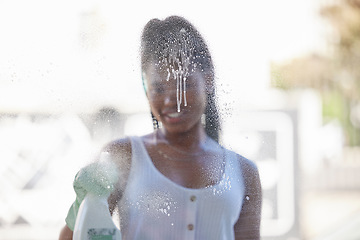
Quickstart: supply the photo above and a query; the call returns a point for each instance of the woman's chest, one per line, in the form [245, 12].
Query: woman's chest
[192, 172]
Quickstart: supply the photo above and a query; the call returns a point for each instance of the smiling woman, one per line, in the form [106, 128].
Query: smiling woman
[179, 182]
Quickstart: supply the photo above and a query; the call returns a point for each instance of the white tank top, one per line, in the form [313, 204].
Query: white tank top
[154, 208]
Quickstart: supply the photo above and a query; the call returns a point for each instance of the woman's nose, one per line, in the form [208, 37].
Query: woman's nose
[170, 97]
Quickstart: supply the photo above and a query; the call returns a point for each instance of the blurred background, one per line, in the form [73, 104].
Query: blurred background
[288, 80]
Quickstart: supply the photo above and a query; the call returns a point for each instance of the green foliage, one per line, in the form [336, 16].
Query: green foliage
[333, 106]
[277, 78]
[337, 75]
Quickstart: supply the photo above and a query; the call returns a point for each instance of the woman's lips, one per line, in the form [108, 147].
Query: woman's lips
[173, 117]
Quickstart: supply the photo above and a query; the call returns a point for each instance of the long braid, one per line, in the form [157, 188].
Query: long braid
[212, 119]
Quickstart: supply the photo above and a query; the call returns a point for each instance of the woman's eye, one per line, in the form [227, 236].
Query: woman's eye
[157, 90]
[191, 86]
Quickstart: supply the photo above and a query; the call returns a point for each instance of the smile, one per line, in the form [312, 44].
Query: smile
[174, 115]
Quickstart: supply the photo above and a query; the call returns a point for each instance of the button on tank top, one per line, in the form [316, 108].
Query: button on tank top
[154, 208]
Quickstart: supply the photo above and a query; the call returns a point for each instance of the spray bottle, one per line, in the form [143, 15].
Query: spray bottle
[94, 221]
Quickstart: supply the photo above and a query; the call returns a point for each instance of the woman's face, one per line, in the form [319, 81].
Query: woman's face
[164, 97]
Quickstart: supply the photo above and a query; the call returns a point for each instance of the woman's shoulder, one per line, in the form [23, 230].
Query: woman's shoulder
[250, 174]
[119, 150]
[122, 146]
[245, 163]
[248, 167]
[118, 146]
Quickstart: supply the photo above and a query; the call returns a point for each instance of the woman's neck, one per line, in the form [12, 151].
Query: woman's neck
[192, 140]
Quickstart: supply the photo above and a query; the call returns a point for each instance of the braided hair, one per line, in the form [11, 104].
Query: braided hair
[176, 41]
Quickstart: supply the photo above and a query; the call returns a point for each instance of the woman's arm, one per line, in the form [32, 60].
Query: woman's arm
[120, 152]
[66, 233]
[248, 224]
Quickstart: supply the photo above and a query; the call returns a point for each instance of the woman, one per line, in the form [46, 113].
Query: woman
[178, 182]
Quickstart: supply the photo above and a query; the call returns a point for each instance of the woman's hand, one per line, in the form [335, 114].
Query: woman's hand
[66, 234]
[98, 178]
